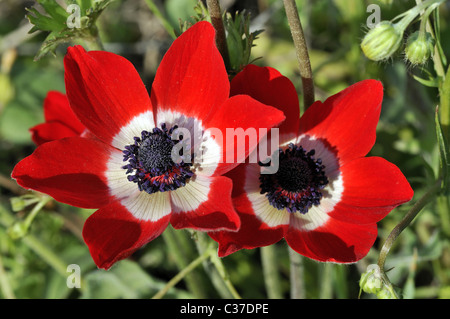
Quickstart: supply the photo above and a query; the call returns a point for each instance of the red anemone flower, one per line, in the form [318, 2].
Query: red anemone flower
[125, 167]
[326, 196]
[60, 120]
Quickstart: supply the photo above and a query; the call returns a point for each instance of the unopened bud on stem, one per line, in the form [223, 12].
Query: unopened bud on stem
[382, 41]
[419, 47]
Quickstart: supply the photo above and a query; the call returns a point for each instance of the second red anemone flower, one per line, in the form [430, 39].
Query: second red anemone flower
[125, 167]
[60, 121]
[326, 196]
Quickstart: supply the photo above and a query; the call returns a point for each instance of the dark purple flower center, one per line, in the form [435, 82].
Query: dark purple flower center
[298, 183]
[156, 162]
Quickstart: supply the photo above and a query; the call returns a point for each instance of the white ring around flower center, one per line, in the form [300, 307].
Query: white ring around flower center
[317, 215]
[153, 207]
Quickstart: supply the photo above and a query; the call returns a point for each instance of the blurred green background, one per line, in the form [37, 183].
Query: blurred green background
[35, 266]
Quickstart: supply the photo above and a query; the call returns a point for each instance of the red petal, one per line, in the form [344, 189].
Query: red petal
[70, 170]
[104, 90]
[50, 131]
[191, 78]
[334, 242]
[239, 116]
[212, 209]
[269, 87]
[57, 109]
[347, 120]
[112, 233]
[372, 188]
[252, 233]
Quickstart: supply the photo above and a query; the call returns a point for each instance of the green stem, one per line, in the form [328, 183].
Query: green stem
[444, 107]
[444, 211]
[93, 43]
[184, 272]
[4, 282]
[215, 268]
[46, 254]
[36, 209]
[412, 213]
[166, 24]
[181, 260]
[217, 262]
[326, 291]
[37, 246]
[297, 275]
[301, 51]
[216, 20]
[271, 274]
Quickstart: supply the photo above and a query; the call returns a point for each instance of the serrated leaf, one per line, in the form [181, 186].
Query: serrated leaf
[55, 11]
[42, 22]
[53, 40]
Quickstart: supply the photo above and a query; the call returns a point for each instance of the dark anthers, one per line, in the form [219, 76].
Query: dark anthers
[298, 183]
[150, 161]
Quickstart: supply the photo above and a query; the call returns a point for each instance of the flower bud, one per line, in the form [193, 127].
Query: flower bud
[385, 293]
[17, 230]
[371, 281]
[382, 41]
[419, 47]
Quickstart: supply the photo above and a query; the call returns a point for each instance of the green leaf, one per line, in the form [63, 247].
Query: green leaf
[239, 39]
[432, 82]
[54, 39]
[126, 280]
[42, 22]
[56, 23]
[55, 11]
[85, 5]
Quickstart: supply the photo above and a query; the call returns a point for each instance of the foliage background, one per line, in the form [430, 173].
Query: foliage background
[35, 266]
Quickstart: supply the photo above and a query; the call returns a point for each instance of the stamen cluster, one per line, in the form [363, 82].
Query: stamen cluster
[150, 161]
[298, 183]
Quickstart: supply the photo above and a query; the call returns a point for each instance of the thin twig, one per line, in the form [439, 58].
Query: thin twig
[301, 51]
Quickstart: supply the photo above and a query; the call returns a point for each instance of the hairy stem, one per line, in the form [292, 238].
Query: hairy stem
[301, 51]
[217, 22]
